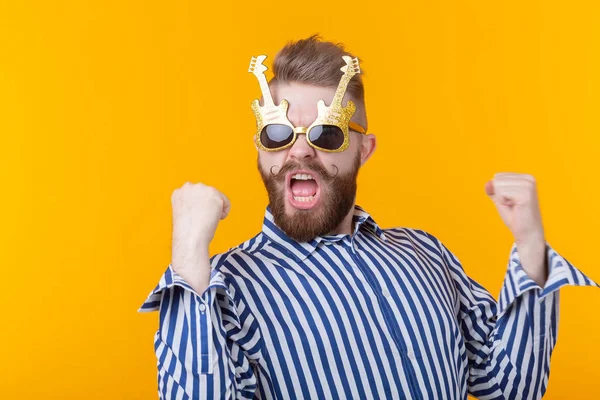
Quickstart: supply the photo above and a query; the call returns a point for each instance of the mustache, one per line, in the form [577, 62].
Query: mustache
[312, 166]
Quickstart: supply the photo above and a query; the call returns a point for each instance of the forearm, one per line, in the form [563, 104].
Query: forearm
[192, 263]
[520, 346]
[187, 361]
[191, 344]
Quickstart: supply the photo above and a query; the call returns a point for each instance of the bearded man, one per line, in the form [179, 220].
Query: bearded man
[324, 303]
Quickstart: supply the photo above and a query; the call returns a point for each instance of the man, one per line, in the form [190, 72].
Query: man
[325, 304]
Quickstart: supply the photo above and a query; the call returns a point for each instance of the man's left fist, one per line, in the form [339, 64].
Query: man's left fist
[515, 196]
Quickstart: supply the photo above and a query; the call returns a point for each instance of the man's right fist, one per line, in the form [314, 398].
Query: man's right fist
[197, 209]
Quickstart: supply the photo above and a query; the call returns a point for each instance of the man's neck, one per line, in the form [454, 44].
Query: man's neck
[346, 227]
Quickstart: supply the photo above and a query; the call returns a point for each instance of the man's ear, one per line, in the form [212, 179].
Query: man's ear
[367, 147]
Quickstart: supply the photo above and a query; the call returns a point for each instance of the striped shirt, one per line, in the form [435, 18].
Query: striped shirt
[378, 314]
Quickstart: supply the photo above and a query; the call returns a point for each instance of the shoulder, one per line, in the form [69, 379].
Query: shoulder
[231, 263]
[425, 245]
[248, 248]
[417, 238]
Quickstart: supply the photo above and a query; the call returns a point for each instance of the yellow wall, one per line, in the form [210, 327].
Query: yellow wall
[107, 106]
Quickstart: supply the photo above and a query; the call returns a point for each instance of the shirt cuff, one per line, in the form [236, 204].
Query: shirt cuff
[560, 273]
[171, 278]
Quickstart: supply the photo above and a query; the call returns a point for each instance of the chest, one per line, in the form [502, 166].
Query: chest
[376, 320]
[344, 297]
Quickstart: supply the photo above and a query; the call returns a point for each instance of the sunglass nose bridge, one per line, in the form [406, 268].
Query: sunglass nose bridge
[300, 129]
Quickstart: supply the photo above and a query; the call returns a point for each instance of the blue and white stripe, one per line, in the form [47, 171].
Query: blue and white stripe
[379, 314]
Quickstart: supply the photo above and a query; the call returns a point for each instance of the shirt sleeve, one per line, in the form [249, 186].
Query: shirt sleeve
[509, 343]
[206, 343]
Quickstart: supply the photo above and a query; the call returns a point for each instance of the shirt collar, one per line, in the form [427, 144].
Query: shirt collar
[363, 222]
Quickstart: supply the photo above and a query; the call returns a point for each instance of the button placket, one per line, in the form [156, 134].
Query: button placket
[403, 350]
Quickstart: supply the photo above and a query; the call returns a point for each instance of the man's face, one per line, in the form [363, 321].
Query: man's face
[310, 191]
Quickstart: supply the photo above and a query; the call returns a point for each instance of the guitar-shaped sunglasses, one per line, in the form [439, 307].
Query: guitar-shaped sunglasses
[329, 132]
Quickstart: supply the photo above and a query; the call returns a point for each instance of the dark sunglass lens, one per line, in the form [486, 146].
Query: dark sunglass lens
[276, 135]
[329, 137]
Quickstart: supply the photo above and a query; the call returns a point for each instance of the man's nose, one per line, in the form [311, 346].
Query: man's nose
[301, 150]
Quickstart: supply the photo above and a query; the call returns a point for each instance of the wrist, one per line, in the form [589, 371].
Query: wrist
[532, 255]
[531, 242]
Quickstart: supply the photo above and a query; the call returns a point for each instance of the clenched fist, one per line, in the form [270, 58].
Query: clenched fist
[515, 197]
[197, 210]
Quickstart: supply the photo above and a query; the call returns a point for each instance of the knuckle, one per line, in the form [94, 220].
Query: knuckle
[211, 193]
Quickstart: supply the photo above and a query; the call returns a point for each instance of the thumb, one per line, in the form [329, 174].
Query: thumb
[489, 188]
[226, 206]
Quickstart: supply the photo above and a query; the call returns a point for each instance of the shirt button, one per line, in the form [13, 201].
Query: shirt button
[386, 293]
[411, 354]
[202, 307]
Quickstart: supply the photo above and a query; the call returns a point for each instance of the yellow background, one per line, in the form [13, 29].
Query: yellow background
[107, 106]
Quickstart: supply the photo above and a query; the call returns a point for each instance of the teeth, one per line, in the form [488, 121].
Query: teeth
[303, 177]
[304, 199]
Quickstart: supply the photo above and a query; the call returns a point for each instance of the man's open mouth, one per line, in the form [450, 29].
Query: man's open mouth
[302, 189]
